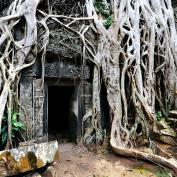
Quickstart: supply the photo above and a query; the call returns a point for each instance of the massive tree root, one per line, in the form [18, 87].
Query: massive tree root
[14, 54]
[138, 58]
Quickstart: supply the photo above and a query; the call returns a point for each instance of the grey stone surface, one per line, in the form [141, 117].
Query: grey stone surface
[62, 69]
[60, 65]
[26, 103]
[27, 158]
[38, 108]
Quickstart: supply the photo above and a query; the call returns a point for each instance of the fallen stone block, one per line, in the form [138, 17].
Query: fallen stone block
[28, 158]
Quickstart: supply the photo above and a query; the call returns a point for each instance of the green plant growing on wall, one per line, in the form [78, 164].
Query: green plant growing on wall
[132, 59]
[108, 22]
[159, 115]
[162, 115]
[104, 10]
[16, 128]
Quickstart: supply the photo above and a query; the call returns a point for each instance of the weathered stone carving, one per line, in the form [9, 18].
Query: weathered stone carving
[26, 104]
[38, 103]
[62, 69]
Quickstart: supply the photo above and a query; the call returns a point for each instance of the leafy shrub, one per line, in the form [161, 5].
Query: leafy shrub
[105, 11]
[159, 115]
[102, 8]
[108, 22]
[16, 128]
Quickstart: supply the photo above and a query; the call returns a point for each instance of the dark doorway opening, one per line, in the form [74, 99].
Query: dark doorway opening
[60, 124]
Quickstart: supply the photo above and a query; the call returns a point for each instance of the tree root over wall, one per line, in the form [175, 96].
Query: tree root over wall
[136, 57]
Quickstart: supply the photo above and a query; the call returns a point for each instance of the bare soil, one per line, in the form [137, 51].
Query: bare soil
[76, 161]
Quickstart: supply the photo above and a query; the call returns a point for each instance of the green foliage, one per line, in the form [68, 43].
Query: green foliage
[163, 173]
[4, 134]
[102, 8]
[108, 22]
[159, 115]
[105, 11]
[16, 127]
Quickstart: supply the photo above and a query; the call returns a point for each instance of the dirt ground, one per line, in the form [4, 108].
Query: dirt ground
[76, 161]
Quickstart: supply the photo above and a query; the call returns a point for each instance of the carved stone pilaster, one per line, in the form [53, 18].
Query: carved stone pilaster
[26, 103]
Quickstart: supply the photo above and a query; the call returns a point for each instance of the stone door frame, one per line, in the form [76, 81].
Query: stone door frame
[61, 83]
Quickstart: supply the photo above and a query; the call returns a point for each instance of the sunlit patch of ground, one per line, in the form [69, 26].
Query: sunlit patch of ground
[78, 162]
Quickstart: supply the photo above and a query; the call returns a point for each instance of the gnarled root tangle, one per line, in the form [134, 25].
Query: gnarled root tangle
[138, 58]
[137, 55]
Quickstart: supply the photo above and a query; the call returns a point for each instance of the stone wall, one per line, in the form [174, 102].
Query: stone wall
[34, 100]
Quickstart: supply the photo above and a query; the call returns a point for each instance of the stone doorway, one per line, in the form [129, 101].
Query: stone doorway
[62, 113]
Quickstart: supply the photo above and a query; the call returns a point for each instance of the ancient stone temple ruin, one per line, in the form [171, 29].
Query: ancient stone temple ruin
[60, 105]
[66, 97]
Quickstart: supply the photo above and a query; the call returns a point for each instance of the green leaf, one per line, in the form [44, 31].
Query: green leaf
[102, 8]
[4, 138]
[4, 129]
[4, 118]
[14, 129]
[14, 116]
[108, 22]
[18, 124]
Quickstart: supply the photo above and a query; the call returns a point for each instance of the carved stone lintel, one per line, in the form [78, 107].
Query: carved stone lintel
[63, 69]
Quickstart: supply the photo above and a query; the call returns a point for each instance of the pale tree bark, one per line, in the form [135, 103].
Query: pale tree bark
[137, 56]
[16, 62]
[140, 45]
